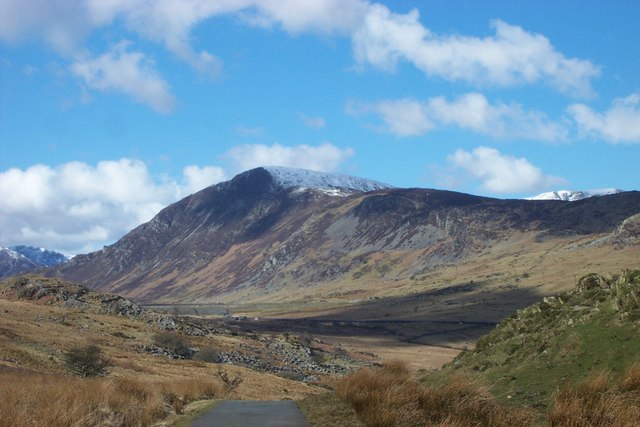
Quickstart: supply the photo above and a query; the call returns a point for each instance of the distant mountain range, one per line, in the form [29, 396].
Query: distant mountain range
[280, 230]
[21, 259]
[572, 196]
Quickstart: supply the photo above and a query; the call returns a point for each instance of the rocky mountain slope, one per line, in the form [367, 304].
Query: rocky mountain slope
[21, 259]
[273, 230]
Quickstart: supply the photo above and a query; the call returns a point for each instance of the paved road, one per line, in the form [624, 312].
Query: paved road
[252, 413]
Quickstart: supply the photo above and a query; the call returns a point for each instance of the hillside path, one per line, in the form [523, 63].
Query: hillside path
[252, 413]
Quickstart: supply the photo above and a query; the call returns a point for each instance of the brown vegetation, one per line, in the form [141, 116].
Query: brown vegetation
[391, 396]
[599, 401]
[142, 386]
[42, 399]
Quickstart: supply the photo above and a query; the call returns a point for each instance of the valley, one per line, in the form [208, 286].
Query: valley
[275, 286]
[427, 320]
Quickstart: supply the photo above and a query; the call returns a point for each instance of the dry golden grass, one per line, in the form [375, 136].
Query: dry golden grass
[599, 402]
[140, 389]
[41, 399]
[328, 409]
[390, 396]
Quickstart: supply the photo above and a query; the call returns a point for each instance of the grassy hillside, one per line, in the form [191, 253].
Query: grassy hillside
[43, 320]
[559, 341]
[568, 360]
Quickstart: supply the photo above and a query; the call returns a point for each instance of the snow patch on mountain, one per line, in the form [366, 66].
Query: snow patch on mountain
[11, 253]
[572, 196]
[41, 256]
[331, 184]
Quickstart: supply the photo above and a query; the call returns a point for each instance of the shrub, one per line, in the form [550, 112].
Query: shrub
[86, 361]
[390, 396]
[173, 343]
[206, 354]
[599, 401]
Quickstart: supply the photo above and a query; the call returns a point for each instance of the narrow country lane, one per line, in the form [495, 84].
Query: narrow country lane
[252, 413]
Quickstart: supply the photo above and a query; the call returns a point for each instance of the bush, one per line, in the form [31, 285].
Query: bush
[173, 343]
[207, 354]
[392, 397]
[599, 401]
[86, 361]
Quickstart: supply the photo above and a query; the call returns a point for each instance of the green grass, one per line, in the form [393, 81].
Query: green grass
[560, 341]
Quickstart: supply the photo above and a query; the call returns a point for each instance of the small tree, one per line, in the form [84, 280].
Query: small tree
[206, 354]
[173, 343]
[86, 361]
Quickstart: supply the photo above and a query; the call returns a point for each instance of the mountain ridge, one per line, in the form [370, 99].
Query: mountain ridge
[574, 195]
[252, 235]
[20, 259]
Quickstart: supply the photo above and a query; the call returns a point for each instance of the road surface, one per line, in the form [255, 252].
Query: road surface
[252, 413]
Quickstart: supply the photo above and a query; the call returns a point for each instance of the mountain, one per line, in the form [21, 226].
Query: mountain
[283, 233]
[331, 184]
[572, 196]
[42, 257]
[16, 260]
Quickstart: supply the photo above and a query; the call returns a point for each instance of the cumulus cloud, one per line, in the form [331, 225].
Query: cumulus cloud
[402, 117]
[501, 173]
[380, 38]
[318, 16]
[75, 207]
[197, 178]
[128, 72]
[512, 56]
[619, 124]
[64, 24]
[409, 117]
[61, 24]
[325, 157]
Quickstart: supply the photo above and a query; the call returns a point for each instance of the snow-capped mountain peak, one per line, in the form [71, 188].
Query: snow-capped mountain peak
[11, 253]
[16, 260]
[332, 184]
[572, 195]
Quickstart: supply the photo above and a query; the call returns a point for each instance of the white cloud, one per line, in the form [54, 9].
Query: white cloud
[62, 24]
[128, 72]
[408, 117]
[320, 16]
[402, 117]
[77, 207]
[380, 38]
[167, 21]
[171, 21]
[197, 178]
[502, 174]
[619, 124]
[512, 56]
[325, 157]
[313, 122]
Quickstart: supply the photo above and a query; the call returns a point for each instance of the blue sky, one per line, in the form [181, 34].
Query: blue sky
[112, 109]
